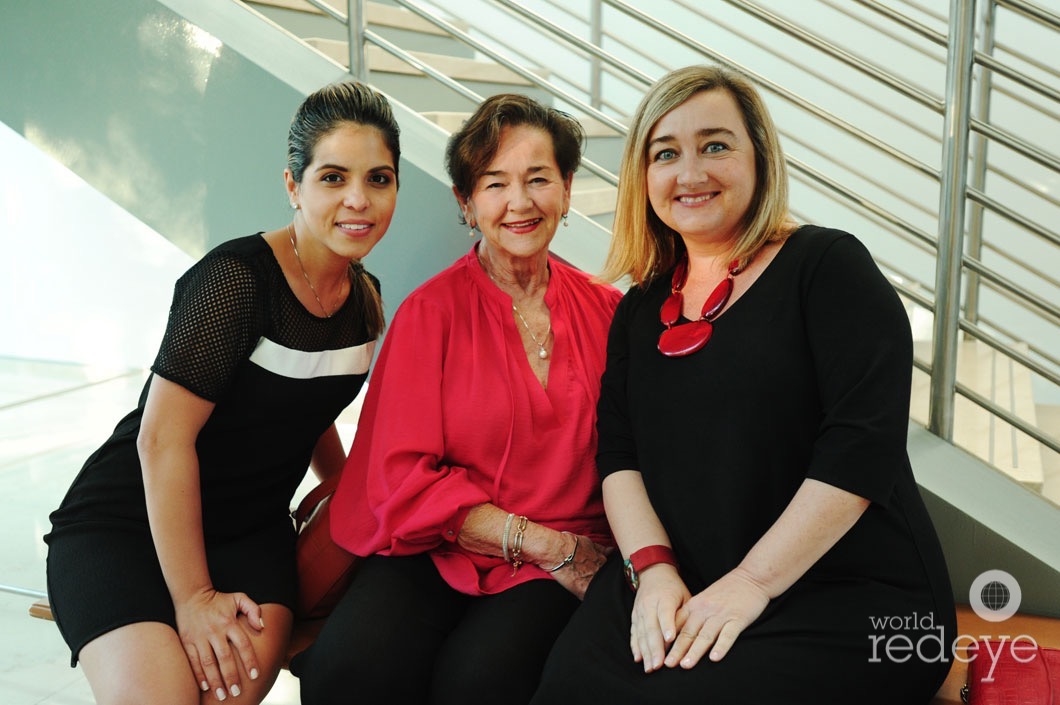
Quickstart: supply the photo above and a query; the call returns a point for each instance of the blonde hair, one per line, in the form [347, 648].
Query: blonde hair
[642, 246]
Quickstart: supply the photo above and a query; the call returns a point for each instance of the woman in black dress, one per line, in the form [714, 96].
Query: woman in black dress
[752, 430]
[171, 559]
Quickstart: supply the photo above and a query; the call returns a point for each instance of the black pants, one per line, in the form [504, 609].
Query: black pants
[402, 635]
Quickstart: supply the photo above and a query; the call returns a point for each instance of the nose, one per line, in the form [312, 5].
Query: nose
[692, 172]
[519, 198]
[356, 197]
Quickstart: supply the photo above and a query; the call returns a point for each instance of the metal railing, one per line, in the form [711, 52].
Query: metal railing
[934, 169]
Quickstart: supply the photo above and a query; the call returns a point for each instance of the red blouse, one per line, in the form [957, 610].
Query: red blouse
[454, 417]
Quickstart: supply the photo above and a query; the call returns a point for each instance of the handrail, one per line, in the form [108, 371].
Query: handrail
[963, 129]
[637, 75]
[951, 217]
[907, 89]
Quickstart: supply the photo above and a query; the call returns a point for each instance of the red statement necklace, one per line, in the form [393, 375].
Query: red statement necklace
[686, 338]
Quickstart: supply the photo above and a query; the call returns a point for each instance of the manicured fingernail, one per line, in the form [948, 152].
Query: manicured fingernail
[253, 674]
[205, 686]
[261, 622]
[220, 693]
[235, 691]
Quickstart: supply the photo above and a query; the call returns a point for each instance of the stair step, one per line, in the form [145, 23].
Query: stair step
[376, 14]
[454, 67]
[451, 121]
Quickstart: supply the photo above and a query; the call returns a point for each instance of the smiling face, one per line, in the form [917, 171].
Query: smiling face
[348, 191]
[701, 169]
[519, 200]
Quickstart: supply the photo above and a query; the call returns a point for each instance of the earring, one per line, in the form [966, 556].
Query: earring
[565, 223]
[471, 232]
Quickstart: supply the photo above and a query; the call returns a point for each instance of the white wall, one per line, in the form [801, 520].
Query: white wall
[81, 280]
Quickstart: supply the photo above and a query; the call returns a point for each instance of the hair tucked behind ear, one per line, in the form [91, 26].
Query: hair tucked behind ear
[320, 114]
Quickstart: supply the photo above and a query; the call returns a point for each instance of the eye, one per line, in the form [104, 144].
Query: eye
[380, 179]
[332, 177]
[715, 147]
[664, 155]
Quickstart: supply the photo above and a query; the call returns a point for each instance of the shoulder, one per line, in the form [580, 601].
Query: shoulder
[583, 285]
[812, 247]
[249, 255]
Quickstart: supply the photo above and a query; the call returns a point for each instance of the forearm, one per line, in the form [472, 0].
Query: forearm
[816, 518]
[484, 531]
[174, 510]
[632, 518]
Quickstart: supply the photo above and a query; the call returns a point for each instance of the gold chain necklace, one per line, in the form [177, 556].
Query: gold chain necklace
[541, 351]
[290, 232]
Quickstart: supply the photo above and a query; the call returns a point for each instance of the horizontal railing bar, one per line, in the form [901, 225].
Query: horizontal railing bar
[1011, 74]
[886, 187]
[329, 10]
[511, 66]
[1050, 310]
[900, 19]
[1007, 416]
[824, 77]
[1032, 11]
[1025, 266]
[1009, 351]
[28, 592]
[1031, 347]
[855, 62]
[1016, 144]
[775, 88]
[918, 236]
[613, 62]
[1012, 216]
[471, 95]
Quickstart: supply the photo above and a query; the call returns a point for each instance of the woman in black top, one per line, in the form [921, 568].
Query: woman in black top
[171, 558]
[752, 441]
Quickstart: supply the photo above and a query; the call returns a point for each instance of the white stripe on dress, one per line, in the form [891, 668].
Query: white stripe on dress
[298, 364]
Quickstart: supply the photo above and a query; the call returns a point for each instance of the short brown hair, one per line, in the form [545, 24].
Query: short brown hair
[472, 148]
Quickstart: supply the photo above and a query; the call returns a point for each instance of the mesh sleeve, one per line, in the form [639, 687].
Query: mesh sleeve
[214, 323]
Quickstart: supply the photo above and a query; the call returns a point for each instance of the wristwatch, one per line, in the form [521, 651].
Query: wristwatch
[644, 557]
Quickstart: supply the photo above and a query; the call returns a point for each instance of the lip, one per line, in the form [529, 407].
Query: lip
[355, 228]
[521, 227]
[695, 199]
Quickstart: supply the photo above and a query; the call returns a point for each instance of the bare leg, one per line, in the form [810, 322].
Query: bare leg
[145, 662]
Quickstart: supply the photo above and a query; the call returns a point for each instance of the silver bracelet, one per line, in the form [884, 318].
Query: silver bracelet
[507, 533]
[570, 556]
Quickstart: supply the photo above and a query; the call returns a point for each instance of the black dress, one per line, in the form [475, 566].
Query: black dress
[278, 376]
[807, 375]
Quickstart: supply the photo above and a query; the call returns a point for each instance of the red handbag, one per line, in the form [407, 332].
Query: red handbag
[325, 569]
[1015, 672]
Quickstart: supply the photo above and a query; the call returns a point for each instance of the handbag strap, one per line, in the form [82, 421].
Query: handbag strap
[317, 495]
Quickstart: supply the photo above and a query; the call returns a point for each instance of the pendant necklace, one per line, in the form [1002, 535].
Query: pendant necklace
[541, 351]
[290, 232]
[680, 339]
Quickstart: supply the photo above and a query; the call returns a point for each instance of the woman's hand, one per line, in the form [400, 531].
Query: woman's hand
[713, 619]
[588, 559]
[656, 614]
[215, 639]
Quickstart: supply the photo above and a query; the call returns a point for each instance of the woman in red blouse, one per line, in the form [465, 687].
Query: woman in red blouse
[471, 484]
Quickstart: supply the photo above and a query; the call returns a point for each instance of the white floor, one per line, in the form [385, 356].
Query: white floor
[52, 416]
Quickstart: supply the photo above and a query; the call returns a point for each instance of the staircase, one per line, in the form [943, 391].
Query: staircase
[432, 46]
